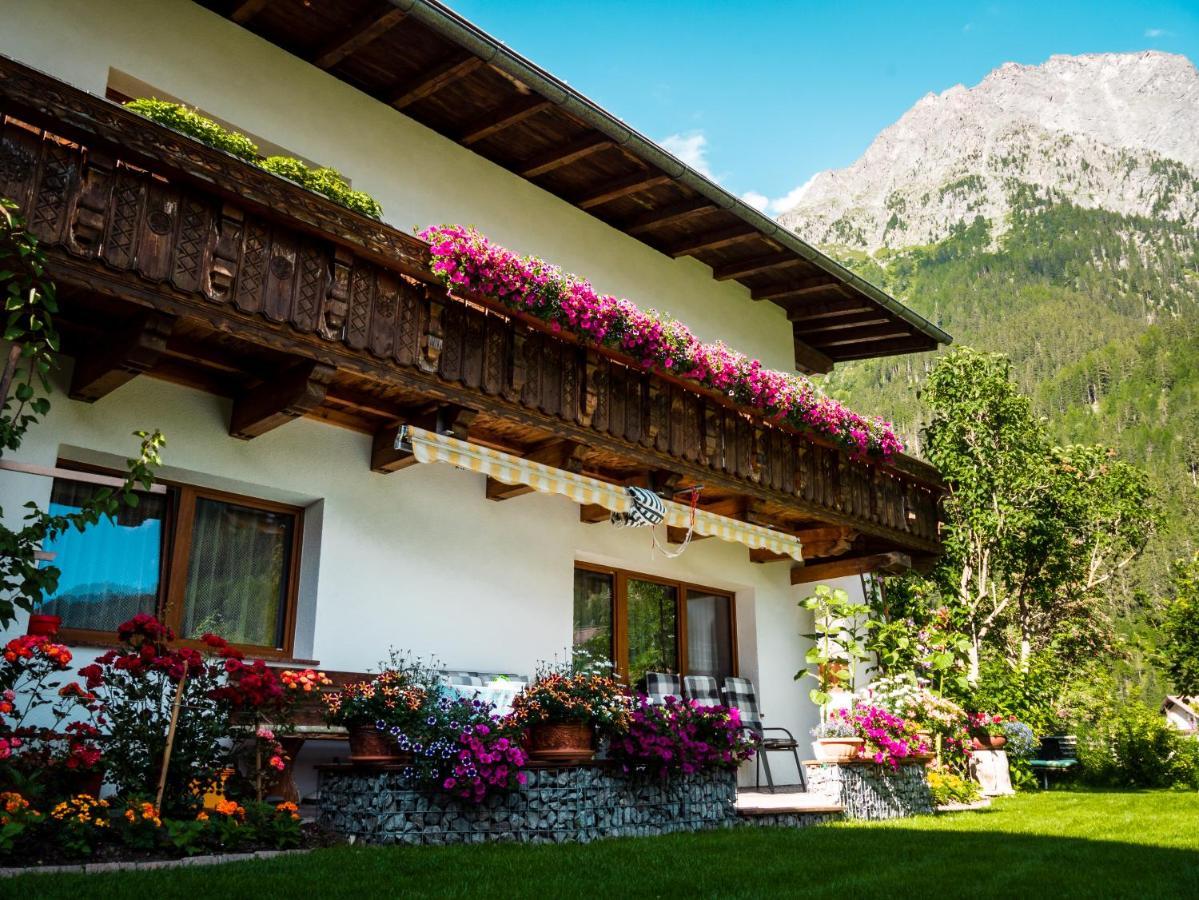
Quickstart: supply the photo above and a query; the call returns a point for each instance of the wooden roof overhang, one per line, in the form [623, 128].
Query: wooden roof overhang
[428, 63]
[181, 262]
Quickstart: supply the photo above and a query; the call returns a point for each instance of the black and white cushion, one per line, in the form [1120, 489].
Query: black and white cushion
[740, 694]
[702, 689]
[646, 509]
[476, 679]
[660, 685]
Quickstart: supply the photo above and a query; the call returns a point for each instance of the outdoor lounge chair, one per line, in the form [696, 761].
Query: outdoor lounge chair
[703, 689]
[1057, 756]
[660, 685]
[740, 694]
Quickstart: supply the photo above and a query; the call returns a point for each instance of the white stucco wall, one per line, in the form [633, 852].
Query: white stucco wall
[420, 559]
[420, 177]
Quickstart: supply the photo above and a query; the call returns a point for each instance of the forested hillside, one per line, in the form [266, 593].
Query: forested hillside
[1099, 313]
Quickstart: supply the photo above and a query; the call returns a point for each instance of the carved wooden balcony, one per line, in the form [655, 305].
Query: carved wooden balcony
[177, 260]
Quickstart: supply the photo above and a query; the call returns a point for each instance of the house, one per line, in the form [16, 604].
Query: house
[288, 347]
[1182, 713]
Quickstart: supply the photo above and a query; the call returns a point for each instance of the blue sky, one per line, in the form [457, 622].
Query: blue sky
[762, 95]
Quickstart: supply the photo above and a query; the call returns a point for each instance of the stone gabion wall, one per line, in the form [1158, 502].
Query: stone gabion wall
[868, 791]
[569, 803]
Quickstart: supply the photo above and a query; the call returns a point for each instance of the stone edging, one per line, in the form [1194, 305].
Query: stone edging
[984, 803]
[207, 859]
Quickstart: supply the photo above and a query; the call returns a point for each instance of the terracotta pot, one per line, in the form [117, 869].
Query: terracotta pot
[43, 624]
[562, 742]
[370, 745]
[988, 741]
[837, 749]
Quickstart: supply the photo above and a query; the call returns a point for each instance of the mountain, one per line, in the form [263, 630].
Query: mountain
[1048, 213]
[1106, 131]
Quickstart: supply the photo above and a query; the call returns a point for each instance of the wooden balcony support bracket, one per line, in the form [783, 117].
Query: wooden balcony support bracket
[294, 392]
[810, 360]
[891, 563]
[559, 454]
[357, 37]
[448, 418]
[101, 370]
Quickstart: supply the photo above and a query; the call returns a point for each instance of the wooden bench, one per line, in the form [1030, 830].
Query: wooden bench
[1058, 755]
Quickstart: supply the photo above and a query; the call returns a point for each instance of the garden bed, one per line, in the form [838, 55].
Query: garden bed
[557, 804]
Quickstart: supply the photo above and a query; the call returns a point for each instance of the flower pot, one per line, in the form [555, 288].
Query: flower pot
[370, 745]
[43, 624]
[837, 749]
[562, 742]
[988, 741]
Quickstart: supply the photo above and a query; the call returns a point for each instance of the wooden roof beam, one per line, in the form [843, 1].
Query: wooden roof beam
[810, 312]
[505, 117]
[669, 215]
[863, 335]
[887, 348]
[244, 11]
[564, 155]
[357, 37]
[292, 393]
[755, 264]
[810, 360]
[559, 454]
[119, 358]
[823, 541]
[622, 187]
[713, 240]
[872, 317]
[821, 284]
[455, 66]
[891, 563]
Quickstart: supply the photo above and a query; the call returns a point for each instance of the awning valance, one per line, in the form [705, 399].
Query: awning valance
[428, 447]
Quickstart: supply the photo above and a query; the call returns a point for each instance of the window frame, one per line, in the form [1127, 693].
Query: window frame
[175, 557]
[620, 620]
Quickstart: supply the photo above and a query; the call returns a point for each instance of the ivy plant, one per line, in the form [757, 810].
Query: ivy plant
[29, 302]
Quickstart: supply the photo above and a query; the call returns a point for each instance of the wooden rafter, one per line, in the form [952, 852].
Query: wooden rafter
[713, 240]
[456, 65]
[505, 117]
[755, 264]
[856, 320]
[593, 514]
[622, 187]
[887, 348]
[892, 563]
[102, 368]
[276, 401]
[808, 287]
[447, 418]
[861, 335]
[564, 155]
[566, 455]
[810, 312]
[811, 360]
[678, 212]
[244, 11]
[358, 36]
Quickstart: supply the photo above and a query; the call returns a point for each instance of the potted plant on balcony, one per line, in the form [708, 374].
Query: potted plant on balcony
[836, 739]
[565, 707]
[985, 731]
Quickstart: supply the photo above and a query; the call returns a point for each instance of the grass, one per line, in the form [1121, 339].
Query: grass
[1059, 844]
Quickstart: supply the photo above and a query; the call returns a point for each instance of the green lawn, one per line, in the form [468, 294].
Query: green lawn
[1060, 844]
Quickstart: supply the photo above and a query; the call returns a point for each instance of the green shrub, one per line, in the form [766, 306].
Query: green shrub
[191, 123]
[1132, 746]
[328, 182]
[946, 787]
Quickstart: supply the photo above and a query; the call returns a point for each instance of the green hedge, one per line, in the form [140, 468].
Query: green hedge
[325, 181]
[1132, 746]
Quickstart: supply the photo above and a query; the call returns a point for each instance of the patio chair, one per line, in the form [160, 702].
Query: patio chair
[660, 685]
[740, 694]
[703, 689]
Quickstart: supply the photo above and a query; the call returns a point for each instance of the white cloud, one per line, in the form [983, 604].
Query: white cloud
[1156, 32]
[756, 200]
[691, 148]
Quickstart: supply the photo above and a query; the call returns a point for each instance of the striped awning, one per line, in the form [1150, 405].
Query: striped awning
[430, 447]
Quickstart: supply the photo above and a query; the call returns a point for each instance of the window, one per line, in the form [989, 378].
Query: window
[644, 624]
[200, 560]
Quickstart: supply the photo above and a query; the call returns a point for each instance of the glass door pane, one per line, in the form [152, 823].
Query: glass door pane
[709, 635]
[593, 614]
[238, 572]
[653, 628]
[110, 571]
